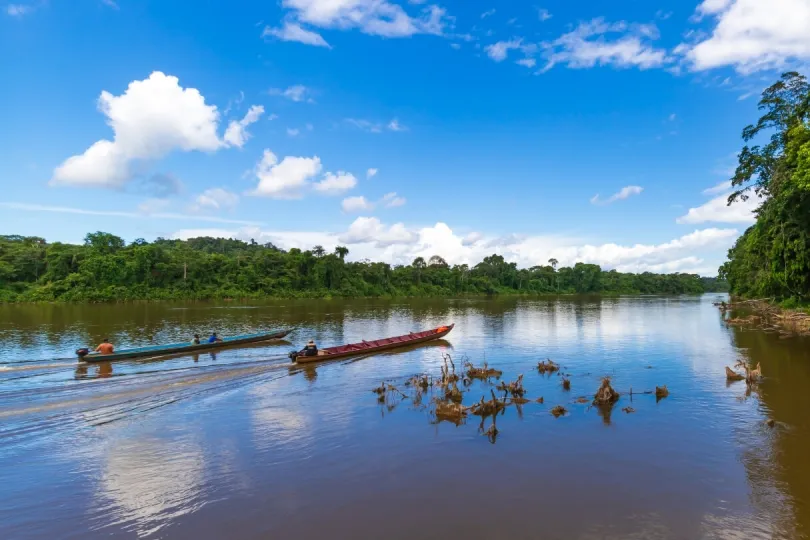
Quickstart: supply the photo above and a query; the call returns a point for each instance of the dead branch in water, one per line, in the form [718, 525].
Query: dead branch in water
[558, 411]
[484, 373]
[455, 413]
[566, 383]
[629, 410]
[488, 408]
[661, 392]
[515, 388]
[606, 395]
[547, 366]
[733, 376]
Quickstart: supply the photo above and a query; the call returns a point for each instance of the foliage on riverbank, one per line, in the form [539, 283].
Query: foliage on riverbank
[772, 259]
[105, 269]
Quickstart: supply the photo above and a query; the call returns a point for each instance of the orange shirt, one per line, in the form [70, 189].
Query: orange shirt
[105, 348]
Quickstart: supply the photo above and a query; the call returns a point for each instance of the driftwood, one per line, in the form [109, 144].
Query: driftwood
[566, 383]
[606, 395]
[515, 388]
[547, 366]
[558, 411]
[483, 373]
[733, 376]
[661, 392]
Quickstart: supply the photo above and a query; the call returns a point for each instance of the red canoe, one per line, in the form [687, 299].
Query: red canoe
[369, 347]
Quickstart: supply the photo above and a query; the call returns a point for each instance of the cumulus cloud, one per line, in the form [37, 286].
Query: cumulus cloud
[335, 184]
[215, 199]
[297, 93]
[375, 127]
[370, 230]
[371, 173]
[293, 132]
[751, 35]
[624, 193]
[722, 187]
[373, 17]
[236, 134]
[544, 14]
[292, 31]
[598, 42]
[398, 244]
[488, 13]
[152, 118]
[286, 179]
[717, 210]
[356, 204]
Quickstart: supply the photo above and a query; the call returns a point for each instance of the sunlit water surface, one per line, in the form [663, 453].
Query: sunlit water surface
[239, 444]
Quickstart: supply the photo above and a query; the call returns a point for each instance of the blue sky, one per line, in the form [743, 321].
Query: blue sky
[492, 127]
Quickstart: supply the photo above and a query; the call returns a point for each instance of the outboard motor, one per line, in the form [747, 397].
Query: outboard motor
[81, 353]
[293, 355]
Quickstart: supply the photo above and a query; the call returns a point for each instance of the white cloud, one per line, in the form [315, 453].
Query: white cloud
[371, 173]
[472, 239]
[236, 134]
[335, 184]
[500, 50]
[356, 204]
[587, 46]
[392, 201]
[370, 230]
[309, 127]
[722, 187]
[622, 194]
[673, 117]
[215, 199]
[544, 14]
[110, 3]
[297, 93]
[489, 13]
[292, 31]
[287, 179]
[718, 210]
[365, 125]
[18, 10]
[373, 17]
[273, 117]
[293, 132]
[527, 62]
[398, 244]
[455, 46]
[394, 125]
[751, 35]
[152, 118]
[143, 213]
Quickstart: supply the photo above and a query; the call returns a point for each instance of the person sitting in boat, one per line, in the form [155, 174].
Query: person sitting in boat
[311, 349]
[213, 338]
[105, 347]
[196, 340]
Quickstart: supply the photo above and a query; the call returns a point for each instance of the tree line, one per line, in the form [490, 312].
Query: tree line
[772, 258]
[105, 268]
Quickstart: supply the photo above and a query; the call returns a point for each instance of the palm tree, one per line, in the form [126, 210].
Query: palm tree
[553, 262]
[341, 251]
[318, 251]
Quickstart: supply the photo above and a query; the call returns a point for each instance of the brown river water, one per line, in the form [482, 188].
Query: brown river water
[240, 444]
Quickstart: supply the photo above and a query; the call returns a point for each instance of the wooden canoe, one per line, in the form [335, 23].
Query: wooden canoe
[370, 347]
[182, 348]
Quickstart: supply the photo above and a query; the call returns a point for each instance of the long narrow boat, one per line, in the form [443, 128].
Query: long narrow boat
[369, 347]
[180, 348]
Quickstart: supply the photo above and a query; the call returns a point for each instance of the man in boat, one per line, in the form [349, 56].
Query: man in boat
[105, 347]
[213, 338]
[196, 340]
[311, 349]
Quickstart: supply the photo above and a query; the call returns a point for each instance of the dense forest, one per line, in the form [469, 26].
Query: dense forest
[772, 258]
[104, 268]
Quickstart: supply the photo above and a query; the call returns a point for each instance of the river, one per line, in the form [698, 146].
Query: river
[240, 444]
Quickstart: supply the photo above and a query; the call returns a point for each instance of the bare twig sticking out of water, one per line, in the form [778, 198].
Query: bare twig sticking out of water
[547, 366]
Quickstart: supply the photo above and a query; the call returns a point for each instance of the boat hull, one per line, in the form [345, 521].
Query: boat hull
[371, 347]
[183, 348]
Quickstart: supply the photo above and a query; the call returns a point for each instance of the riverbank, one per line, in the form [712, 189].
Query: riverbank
[23, 299]
[767, 316]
